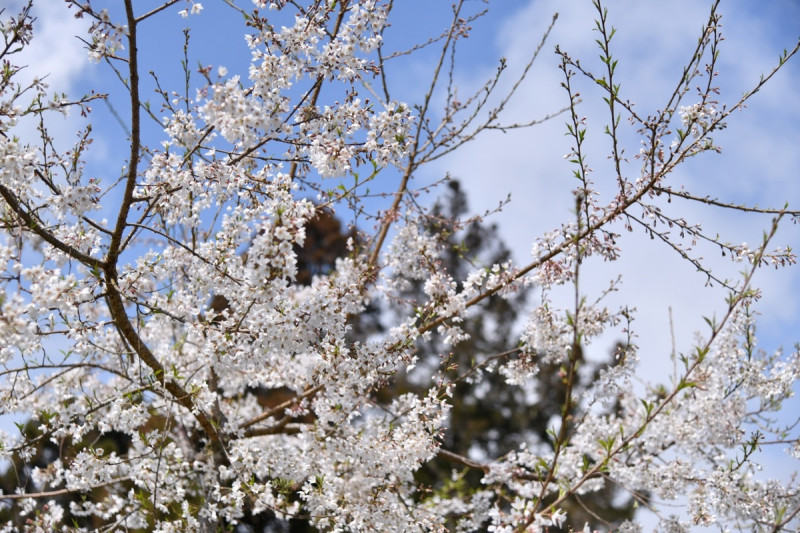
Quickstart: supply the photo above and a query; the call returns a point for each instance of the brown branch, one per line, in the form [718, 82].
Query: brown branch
[162, 7]
[780, 526]
[390, 216]
[460, 459]
[133, 162]
[114, 301]
[59, 492]
[391, 213]
[718, 203]
[280, 407]
[282, 428]
[34, 224]
[116, 308]
[494, 113]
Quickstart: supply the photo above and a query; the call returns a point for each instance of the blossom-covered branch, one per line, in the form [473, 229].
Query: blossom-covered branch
[279, 325]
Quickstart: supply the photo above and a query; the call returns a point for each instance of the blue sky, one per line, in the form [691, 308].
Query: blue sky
[759, 163]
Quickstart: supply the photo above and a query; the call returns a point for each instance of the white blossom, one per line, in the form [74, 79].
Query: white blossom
[180, 364]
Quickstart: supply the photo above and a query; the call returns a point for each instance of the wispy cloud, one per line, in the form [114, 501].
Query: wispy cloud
[57, 57]
[55, 51]
[758, 164]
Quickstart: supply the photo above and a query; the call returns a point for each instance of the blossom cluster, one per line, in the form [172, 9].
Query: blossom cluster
[186, 368]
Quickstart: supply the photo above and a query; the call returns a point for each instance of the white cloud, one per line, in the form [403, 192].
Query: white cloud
[758, 164]
[55, 51]
[58, 57]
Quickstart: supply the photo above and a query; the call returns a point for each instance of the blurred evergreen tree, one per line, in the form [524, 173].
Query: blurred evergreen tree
[489, 417]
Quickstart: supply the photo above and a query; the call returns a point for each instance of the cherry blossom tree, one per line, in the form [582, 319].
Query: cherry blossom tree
[178, 329]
